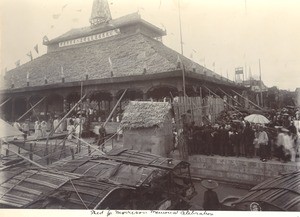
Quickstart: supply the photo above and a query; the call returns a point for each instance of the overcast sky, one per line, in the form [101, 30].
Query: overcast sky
[220, 34]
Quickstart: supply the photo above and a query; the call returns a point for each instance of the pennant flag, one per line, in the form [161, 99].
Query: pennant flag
[17, 63]
[178, 62]
[36, 48]
[63, 7]
[56, 16]
[45, 39]
[30, 55]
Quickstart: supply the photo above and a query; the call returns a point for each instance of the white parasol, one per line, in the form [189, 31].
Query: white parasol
[257, 119]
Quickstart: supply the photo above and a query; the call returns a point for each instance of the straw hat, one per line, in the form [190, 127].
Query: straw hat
[209, 184]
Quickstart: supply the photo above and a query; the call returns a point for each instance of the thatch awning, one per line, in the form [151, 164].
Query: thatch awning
[145, 114]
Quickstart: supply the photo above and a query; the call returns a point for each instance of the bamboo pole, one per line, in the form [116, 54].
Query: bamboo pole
[111, 113]
[5, 102]
[69, 112]
[31, 109]
[248, 99]
[225, 102]
[230, 97]
[96, 149]
[36, 164]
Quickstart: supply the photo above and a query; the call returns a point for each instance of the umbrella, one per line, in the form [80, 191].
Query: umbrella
[209, 184]
[257, 119]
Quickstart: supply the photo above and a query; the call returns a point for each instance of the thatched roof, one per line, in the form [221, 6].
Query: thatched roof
[145, 114]
[129, 54]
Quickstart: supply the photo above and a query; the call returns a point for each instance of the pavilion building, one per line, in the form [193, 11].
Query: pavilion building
[102, 60]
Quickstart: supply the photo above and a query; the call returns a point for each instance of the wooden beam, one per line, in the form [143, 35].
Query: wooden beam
[5, 102]
[248, 99]
[36, 164]
[31, 109]
[111, 113]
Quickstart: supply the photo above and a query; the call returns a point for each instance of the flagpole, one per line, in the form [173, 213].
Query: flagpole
[261, 95]
[181, 47]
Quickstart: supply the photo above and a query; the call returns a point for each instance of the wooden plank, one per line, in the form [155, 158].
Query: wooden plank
[9, 203]
[41, 182]
[18, 197]
[21, 188]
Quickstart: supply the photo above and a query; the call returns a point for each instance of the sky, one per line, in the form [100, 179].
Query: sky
[220, 34]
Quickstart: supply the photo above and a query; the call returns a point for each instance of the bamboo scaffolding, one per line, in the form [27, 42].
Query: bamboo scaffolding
[31, 108]
[249, 100]
[225, 102]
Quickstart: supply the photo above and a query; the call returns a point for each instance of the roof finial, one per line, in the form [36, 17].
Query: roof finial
[100, 12]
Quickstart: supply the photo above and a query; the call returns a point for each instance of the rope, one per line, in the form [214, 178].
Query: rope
[78, 194]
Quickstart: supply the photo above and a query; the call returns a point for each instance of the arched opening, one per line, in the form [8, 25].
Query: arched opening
[130, 95]
[101, 105]
[6, 110]
[162, 93]
[54, 105]
[20, 107]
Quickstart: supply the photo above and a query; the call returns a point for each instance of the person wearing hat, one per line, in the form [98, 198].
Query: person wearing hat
[211, 200]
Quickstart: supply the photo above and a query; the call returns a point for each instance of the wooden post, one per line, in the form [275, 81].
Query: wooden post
[72, 153]
[47, 154]
[89, 150]
[19, 150]
[64, 148]
[30, 151]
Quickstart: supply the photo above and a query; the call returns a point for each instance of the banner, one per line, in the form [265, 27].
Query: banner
[45, 39]
[36, 48]
[239, 71]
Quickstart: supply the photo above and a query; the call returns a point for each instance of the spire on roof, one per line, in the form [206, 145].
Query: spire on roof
[100, 12]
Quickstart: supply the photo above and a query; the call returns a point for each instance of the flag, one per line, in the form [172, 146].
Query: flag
[17, 63]
[45, 39]
[63, 7]
[36, 48]
[56, 16]
[30, 55]
[27, 76]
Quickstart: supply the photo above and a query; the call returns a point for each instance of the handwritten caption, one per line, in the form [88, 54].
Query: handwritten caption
[159, 212]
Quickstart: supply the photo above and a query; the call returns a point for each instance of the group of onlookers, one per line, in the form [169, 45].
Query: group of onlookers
[240, 139]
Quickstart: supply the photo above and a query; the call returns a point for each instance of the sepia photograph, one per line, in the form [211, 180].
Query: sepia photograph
[138, 107]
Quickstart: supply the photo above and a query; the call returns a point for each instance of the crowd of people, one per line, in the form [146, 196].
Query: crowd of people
[236, 137]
